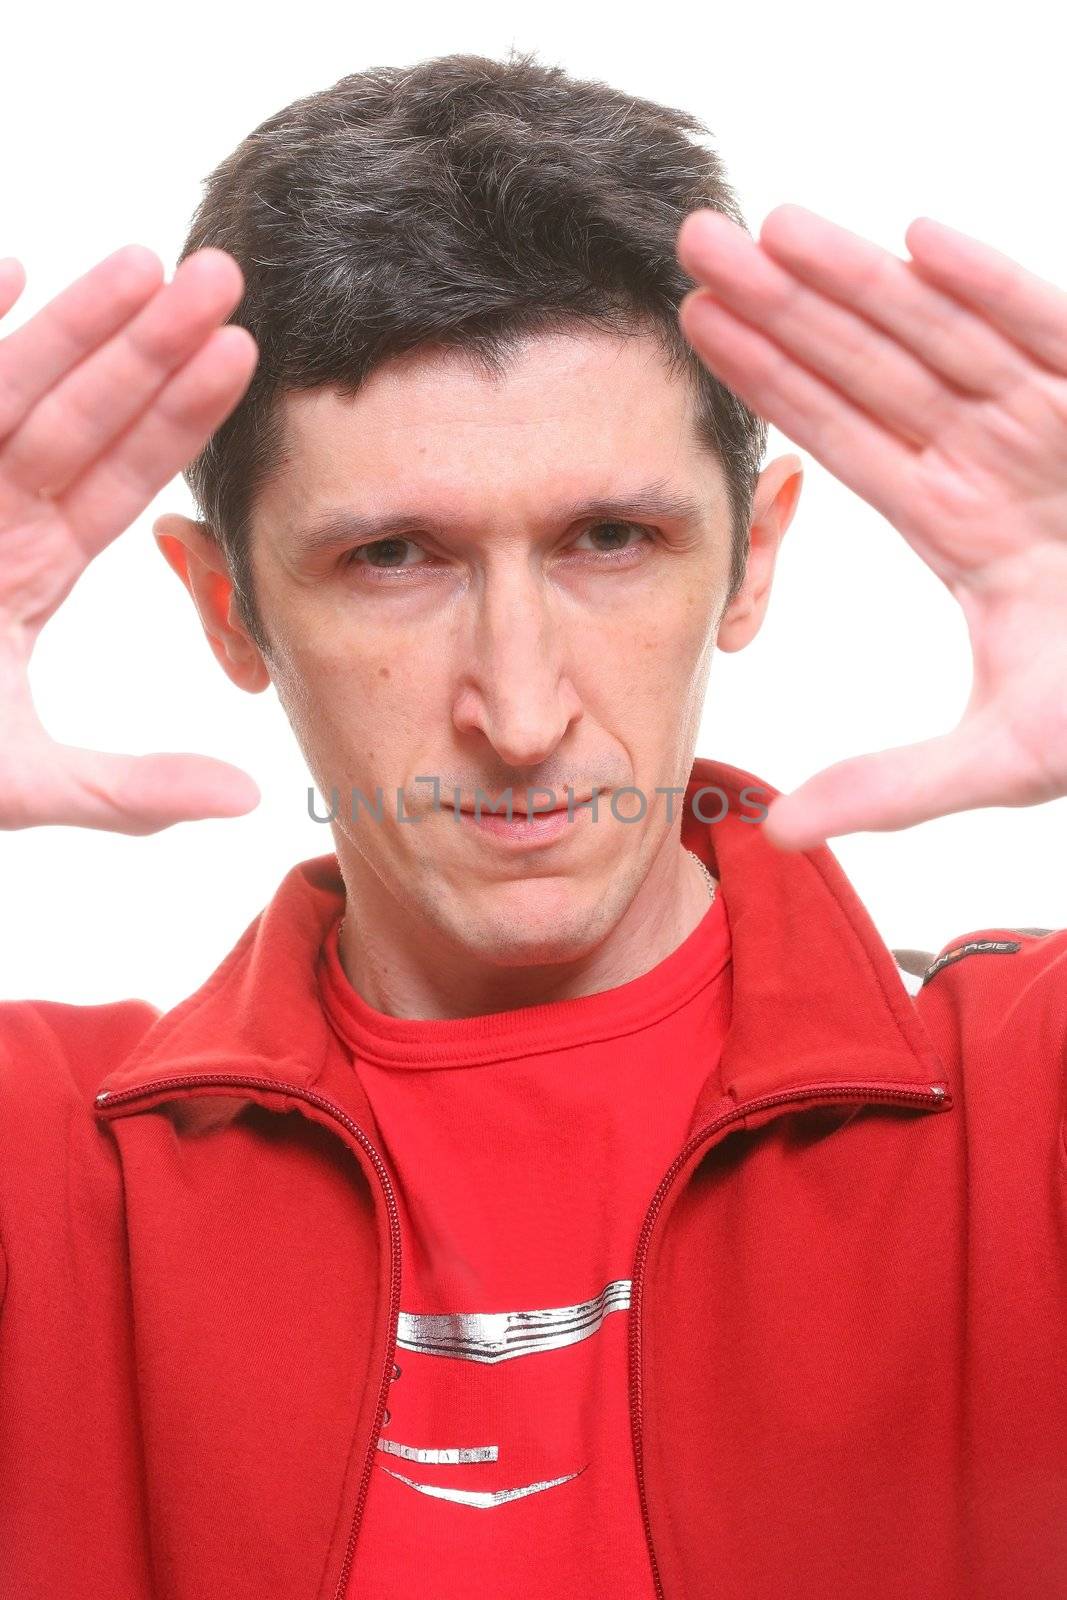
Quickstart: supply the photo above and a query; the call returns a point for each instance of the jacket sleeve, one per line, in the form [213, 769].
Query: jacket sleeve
[997, 997]
[52, 1056]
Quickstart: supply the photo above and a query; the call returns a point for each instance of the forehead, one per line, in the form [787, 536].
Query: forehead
[577, 407]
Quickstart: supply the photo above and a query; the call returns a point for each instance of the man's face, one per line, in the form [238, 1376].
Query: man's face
[501, 632]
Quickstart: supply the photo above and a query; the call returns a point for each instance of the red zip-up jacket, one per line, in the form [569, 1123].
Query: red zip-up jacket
[848, 1368]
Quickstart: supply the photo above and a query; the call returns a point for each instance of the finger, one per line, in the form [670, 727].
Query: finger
[1027, 309]
[869, 366]
[80, 416]
[143, 794]
[115, 489]
[71, 326]
[12, 283]
[887, 790]
[867, 457]
[952, 341]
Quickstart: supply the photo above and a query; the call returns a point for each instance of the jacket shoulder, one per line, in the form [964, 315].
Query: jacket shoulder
[50, 1046]
[992, 958]
[1000, 994]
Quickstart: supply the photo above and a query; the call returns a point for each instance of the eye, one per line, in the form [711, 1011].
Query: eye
[613, 538]
[383, 554]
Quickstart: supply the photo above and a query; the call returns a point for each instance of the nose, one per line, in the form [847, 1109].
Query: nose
[515, 687]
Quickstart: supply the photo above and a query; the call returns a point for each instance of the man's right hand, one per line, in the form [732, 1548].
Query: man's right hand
[105, 394]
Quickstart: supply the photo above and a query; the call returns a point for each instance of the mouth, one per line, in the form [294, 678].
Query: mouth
[524, 828]
[516, 811]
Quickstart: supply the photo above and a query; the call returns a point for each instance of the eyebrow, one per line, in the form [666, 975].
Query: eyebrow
[342, 527]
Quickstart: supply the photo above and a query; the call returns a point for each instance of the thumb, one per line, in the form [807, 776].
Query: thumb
[886, 790]
[144, 794]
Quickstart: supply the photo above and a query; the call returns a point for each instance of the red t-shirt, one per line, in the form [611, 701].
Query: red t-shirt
[525, 1147]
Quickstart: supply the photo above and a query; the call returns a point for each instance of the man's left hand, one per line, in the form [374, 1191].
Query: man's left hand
[936, 388]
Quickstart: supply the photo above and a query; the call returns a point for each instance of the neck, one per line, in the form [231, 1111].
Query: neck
[404, 968]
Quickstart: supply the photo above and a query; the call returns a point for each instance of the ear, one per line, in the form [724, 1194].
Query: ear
[773, 505]
[197, 557]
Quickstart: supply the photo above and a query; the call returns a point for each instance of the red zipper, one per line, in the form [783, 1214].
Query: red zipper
[108, 1098]
[862, 1093]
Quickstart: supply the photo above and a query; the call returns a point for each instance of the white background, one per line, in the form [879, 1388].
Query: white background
[109, 120]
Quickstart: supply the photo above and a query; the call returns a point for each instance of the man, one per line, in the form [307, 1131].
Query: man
[559, 1188]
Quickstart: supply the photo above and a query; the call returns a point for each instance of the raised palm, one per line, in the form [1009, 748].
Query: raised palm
[105, 394]
[936, 388]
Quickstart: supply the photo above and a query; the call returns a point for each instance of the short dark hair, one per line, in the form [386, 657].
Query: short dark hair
[461, 202]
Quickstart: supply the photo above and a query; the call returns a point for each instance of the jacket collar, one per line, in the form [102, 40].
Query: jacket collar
[816, 994]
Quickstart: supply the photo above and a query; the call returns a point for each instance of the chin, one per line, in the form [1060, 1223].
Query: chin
[533, 935]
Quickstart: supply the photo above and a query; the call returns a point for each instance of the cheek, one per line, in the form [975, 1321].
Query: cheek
[379, 719]
[336, 700]
[659, 652]
[651, 683]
